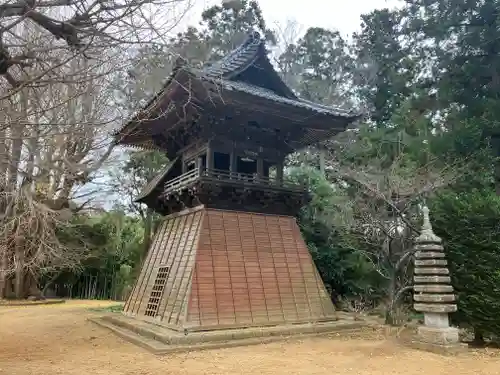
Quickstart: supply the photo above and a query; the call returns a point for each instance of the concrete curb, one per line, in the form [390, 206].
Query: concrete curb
[31, 303]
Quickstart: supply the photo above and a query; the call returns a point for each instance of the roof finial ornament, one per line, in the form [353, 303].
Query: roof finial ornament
[427, 234]
[427, 220]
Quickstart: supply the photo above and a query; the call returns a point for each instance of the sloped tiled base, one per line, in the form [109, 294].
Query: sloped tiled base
[160, 340]
[228, 269]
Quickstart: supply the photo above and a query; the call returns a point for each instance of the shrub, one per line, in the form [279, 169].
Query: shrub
[470, 227]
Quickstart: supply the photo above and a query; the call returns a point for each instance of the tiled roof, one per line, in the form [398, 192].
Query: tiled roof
[151, 185]
[269, 95]
[243, 57]
[237, 60]
[225, 71]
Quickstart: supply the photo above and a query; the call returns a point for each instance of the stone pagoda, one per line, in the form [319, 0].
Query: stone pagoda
[229, 253]
[433, 292]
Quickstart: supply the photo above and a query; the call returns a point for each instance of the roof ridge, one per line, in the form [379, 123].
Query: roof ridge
[238, 59]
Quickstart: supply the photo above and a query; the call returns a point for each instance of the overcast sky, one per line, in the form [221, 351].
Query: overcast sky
[342, 15]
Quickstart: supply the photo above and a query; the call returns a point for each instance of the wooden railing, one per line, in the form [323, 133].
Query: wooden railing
[182, 180]
[231, 177]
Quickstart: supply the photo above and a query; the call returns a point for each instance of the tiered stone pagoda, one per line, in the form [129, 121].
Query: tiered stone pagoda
[433, 292]
[229, 252]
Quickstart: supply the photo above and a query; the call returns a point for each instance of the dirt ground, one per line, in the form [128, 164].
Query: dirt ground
[58, 339]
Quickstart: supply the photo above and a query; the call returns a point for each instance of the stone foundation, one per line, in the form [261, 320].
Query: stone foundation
[160, 340]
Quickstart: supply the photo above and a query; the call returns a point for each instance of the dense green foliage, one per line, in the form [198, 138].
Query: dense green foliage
[472, 241]
[324, 223]
[114, 242]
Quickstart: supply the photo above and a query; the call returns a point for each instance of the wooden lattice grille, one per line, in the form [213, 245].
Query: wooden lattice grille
[157, 292]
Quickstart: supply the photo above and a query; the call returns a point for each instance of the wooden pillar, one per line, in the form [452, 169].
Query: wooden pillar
[279, 173]
[199, 164]
[260, 169]
[184, 166]
[210, 156]
[233, 165]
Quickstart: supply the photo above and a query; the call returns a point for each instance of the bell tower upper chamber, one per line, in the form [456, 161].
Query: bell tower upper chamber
[227, 129]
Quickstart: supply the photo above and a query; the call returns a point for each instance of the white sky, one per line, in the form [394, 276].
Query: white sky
[341, 15]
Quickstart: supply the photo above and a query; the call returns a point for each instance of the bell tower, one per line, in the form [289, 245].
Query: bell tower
[229, 252]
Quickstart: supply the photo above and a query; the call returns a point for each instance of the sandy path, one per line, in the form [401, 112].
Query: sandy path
[57, 339]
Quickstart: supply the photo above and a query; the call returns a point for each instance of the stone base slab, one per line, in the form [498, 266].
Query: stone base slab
[453, 349]
[443, 341]
[434, 340]
[438, 336]
[160, 340]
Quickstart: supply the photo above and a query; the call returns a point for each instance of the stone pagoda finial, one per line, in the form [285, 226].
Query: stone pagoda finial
[427, 234]
[433, 292]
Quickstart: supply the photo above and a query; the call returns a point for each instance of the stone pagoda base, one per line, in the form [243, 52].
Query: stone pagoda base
[160, 340]
[438, 340]
[438, 336]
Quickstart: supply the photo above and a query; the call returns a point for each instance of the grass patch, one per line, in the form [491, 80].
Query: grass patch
[113, 308]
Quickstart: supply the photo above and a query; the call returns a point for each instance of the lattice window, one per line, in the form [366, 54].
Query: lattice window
[157, 292]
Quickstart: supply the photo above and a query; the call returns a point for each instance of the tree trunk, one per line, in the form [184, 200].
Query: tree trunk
[3, 274]
[391, 294]
[478, 338]
[19, 271]
[322, 163]
[4, 161]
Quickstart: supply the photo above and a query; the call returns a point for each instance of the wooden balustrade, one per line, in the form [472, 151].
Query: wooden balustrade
[250, 180]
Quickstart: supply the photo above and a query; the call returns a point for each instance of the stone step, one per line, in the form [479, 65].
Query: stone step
[429, 247]
[435, 308]
[428, 255]
[431, 271]
[431, 262]
[438, 298]
[432, 279]
[433, 288]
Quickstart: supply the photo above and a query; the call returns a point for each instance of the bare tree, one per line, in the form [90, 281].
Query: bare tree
[386, 209]
[57, 63]
[77, 27]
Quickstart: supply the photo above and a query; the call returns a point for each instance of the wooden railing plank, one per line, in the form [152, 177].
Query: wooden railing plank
[233, 177]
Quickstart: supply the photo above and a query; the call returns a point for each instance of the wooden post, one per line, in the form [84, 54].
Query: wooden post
[233, 165]
[279, 173]
[260, 169]
[210, 156]
[199, 165]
